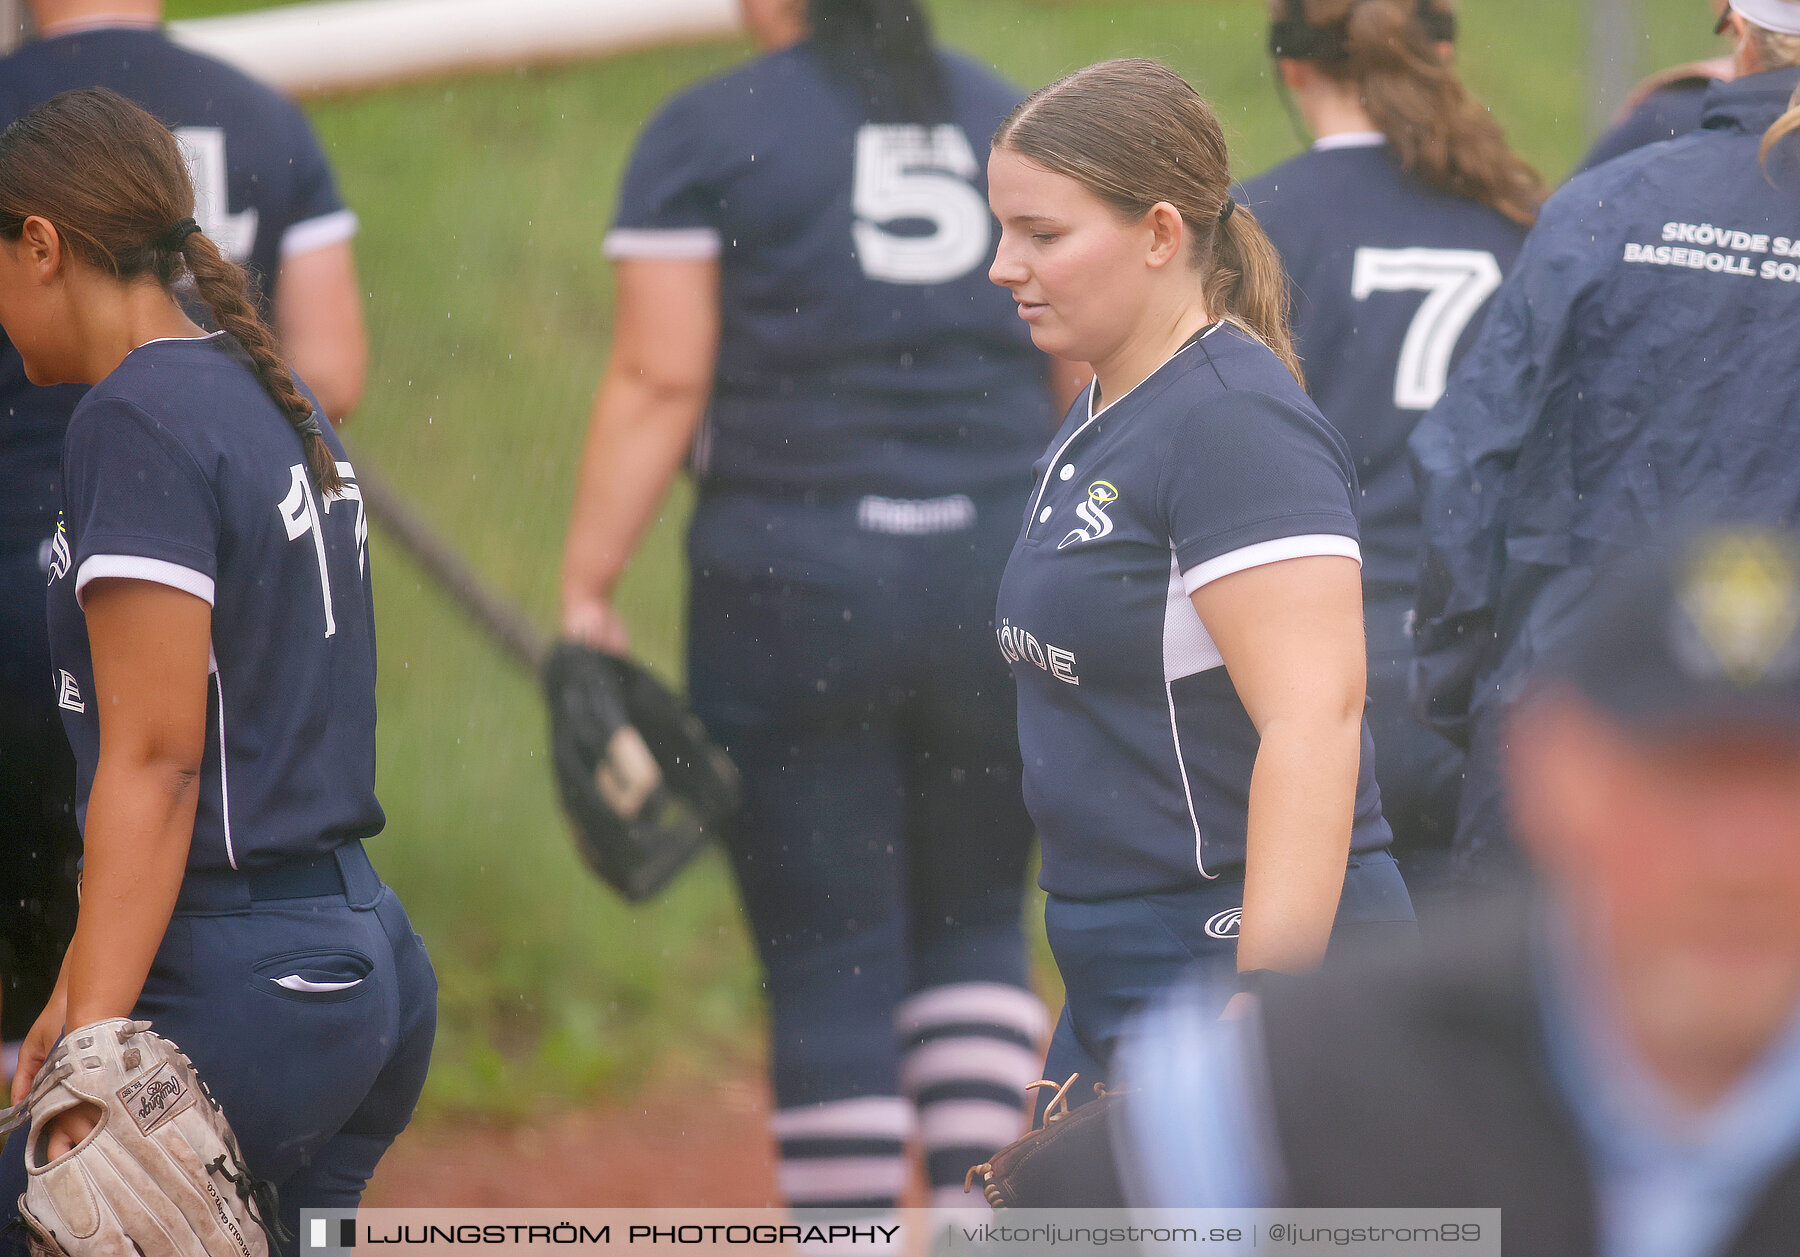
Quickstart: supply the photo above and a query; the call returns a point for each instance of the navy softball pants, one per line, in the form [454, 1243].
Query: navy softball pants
[1117, 955]
[315, 1082]
[1420, 771]
[843, 652]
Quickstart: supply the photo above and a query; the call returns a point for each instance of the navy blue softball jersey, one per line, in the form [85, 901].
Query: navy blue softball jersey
[262, 189]
[180, 469]
[863, 348]
[1137, 750]
[1389, 283]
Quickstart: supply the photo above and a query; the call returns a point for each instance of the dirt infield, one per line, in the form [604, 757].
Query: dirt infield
[676, 1144]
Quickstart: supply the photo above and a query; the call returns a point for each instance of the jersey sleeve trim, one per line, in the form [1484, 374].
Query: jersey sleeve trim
[137, 567]
[1310, 545]
[319, 233]
[671, 243]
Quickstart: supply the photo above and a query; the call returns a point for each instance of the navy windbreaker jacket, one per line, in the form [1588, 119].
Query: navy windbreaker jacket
[1641, 364]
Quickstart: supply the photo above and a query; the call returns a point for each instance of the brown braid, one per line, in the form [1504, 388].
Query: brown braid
[112, 181]
[223, 286]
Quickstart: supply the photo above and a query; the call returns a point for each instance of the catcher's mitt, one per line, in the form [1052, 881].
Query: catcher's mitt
[639, 778]
[160, 1175]
[1067, 1163]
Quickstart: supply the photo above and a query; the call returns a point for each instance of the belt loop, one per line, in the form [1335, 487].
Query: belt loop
[362, 885]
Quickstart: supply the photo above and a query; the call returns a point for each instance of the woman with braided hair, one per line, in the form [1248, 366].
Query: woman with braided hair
[213, 638]
[1395, 228]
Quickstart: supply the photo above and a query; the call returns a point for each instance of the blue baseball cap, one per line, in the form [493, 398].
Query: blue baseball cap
[1700, 635]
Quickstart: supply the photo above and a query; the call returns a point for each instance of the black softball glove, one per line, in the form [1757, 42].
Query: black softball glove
[642, 784]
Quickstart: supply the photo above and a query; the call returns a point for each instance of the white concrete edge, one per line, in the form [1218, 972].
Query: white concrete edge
[344, 45]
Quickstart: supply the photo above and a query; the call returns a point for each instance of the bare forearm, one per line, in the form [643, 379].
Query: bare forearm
[636, 444]
[1302, 803]
[140, 825]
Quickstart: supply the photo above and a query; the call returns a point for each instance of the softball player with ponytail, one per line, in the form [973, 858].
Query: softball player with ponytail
[1395, 228]
[212, 633]
[802, 312]
[1182, 612]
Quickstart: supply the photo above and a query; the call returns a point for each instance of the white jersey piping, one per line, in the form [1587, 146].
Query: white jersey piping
[136, 567]
[667, 243]
[1263, 553]
[317, 233]
[1349, 139]
[1187, 791]
[224, 784]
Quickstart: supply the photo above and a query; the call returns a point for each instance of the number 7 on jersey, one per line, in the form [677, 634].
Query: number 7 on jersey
[1455, 281]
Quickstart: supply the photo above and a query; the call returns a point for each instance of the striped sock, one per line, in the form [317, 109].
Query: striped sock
[969, 1050]
[844, 1154]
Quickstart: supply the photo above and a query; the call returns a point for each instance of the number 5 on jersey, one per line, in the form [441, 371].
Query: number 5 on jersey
[1455, 281]
[908, 173]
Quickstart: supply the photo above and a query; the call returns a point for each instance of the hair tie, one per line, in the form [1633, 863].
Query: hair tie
[177, 235]
[1227, 210]
[309, 427]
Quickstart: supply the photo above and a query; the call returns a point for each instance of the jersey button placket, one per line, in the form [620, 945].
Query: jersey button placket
[1064, 471]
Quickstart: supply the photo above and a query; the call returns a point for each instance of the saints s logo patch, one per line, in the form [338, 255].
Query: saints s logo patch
[60, 559]
[1095, 522]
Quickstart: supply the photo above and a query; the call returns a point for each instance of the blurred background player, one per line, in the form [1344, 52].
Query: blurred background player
[1666, 105]
[1637, 367]
[800, 254]
[1614, 1062]
[265, 193]
[213, 632]
[1395, 229]
[1182, 611]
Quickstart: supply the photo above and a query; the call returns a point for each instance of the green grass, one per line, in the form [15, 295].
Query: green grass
[484, 200]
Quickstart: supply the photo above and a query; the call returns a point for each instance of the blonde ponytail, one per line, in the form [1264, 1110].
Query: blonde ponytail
[1777, 50]
[1783, 127]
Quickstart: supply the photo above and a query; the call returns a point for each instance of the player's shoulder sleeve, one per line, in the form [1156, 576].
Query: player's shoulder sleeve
[669, 202]
[136, 501]
[1284, 180]
[1285, 200]
[11, 76]
[1251, 477]
[316, 213]
[981, 95]
[275, 156]
[1664, 114]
